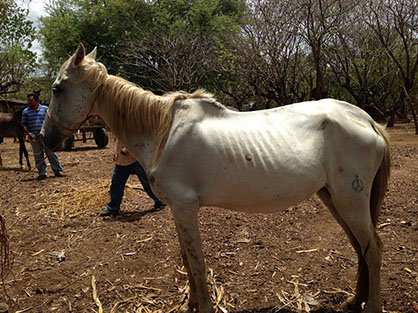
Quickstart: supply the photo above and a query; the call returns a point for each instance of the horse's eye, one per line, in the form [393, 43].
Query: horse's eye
[56, 89]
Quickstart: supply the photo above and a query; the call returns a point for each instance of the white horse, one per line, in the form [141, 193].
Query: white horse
[198, 153]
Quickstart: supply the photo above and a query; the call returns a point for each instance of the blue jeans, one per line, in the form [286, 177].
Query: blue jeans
[38, 152]
[119, 177]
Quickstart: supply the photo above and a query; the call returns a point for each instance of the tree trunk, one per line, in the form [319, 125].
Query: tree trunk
[411, 108]
[320, 91]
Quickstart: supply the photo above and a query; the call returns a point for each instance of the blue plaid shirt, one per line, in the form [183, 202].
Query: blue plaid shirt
[34, 120]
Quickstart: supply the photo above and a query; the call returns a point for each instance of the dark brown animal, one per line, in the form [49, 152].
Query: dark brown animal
[11, 126]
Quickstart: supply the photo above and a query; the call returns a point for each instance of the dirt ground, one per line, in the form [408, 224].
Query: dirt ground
[299, 259]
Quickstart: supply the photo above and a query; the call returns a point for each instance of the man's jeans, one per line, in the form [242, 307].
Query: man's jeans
[38, 151]
[119, 177]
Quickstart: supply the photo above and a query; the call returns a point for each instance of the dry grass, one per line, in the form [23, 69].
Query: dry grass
[78, 200]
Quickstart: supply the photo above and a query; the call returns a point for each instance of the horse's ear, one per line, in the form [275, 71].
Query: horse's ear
[93, 53]
[79, 55]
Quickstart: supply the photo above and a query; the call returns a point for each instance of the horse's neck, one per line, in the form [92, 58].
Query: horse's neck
[137, 135]
[141, 147]
[18, 116]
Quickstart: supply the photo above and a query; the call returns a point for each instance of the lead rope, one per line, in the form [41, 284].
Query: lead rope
[6, 257]
[29, 172]
[57, 126]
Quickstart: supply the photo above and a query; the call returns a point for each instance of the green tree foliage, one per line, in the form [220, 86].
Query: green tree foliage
[110, 24]
[102, 23]
[16, 36]
[361, 67]
[362, 52]
[205, 16]
[395, 23]
[181, 49]
[271, 52]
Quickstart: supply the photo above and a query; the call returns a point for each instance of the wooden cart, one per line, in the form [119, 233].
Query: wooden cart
[94, 128]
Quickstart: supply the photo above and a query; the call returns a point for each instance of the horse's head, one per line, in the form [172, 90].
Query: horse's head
[72, 100]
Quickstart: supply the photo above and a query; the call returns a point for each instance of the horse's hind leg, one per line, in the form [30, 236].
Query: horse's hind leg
[362, 288]
[352, 211]
[1, 160]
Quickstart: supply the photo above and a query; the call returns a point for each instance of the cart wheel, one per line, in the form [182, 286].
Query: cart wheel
[100, 137]
[67, 145]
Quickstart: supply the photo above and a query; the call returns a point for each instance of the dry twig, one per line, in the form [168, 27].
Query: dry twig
[95, 298]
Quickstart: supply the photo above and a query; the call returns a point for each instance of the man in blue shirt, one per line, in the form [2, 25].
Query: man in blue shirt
[32, 118]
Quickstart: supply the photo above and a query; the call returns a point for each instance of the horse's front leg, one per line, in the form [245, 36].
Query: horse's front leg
[192, 302]
[185, 218]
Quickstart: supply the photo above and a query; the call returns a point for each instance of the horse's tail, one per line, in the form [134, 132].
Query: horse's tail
[380, 182]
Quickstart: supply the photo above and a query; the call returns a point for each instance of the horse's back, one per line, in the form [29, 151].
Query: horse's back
[6, 125]
[11, 124]
[254, 160]
[231, 158]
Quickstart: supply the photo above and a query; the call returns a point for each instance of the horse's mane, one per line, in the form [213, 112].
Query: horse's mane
[133, 109]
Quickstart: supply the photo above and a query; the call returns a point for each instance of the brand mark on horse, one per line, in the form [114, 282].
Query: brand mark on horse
[357, 184]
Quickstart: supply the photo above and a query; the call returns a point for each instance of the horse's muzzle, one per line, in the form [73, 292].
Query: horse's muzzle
[51, 141]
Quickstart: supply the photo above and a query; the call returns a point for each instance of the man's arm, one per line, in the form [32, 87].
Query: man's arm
[31, 135]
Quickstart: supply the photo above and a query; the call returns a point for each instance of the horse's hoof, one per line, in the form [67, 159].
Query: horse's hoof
[190, 308]
[373, 309]
[351, 305]
[186, 308]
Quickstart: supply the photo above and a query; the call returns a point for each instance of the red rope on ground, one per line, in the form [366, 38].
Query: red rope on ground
[6, 259]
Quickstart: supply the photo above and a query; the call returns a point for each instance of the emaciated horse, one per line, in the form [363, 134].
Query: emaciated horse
[198, 153]
[11, 126]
